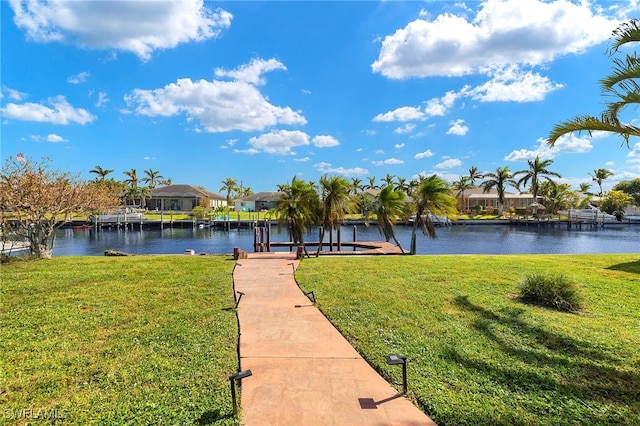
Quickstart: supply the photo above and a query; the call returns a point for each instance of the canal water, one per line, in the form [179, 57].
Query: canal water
[458, 239]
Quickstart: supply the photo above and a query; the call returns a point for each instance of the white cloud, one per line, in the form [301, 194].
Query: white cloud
[60, 112]
[448, 164]
[302, 160]
[401, 114]
[514, 85]
[399, 145]
[79, 78]
[220, 106]
[252, 72]
[15, 94]
[437, 107]
[424, 154]
[569, 143]
[103, 99]
[457, 128]
[250, 151]
[140, 27]
[55, 138]
[407, 128]
[502, 33]
[634, 154]
[388, 161]
[324, 167]
[325, 141]
[279, 142]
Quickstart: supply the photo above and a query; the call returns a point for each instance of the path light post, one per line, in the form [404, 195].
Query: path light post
[232, 379]
[240, 294]
[397, 360]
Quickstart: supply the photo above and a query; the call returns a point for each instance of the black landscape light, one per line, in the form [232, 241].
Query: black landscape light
[311, 296]
[397, 360]
[232, 379]
[239, 297]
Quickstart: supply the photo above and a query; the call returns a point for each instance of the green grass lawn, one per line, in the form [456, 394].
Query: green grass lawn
[477, 356]
[118, 340]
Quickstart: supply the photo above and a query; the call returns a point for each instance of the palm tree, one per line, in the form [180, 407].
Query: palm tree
[356, 186]
[620, 84]
[600, 175]
[389, 205]
[498, 180]
[298, 208]
[432, 197]
[402, 185]
[336, 202]
[462, 184]
[102, 173]
[584, 187]
[388, 179]
[133, 180]
[153, 178]
[537, 170]
[372, 183]
[474, 174]
[229, 185]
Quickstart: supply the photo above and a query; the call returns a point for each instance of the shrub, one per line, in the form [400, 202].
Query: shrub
[554, 291]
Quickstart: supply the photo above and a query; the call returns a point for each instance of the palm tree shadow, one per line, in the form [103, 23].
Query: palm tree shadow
[210, 417]
[593, 373]
[631, 267]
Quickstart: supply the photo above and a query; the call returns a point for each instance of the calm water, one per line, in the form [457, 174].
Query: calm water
[470, 239]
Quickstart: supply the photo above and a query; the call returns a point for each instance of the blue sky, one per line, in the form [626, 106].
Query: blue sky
[265, 91]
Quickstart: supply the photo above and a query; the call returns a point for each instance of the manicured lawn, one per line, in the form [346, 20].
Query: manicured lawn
[118, 340]
[477, 356]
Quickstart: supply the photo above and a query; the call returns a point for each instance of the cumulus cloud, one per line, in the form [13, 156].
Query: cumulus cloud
[79, 78]
[424, 154]
[634, 154]
[407, 128]
[59, 111]
[448, 164]
[388, 161]
[324, 167]
[399, 145]
[219, 106]
[140, 27]
[325, 142]
[569, 143]
[499, 34]
[103, 99]
[252, 72]
[279, 142]
[457, 128]
[401, 114]
[52, 137]
[512, 84]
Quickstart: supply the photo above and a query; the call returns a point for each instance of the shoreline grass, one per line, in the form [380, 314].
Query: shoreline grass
[477, 356]
[128, 340]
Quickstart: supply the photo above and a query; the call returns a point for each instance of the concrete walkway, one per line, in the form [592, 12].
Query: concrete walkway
[304, 372]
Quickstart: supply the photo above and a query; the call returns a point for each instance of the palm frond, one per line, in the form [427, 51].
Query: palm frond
[628, 32]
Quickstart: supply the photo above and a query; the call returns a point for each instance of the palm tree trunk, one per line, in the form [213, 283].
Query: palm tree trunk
[414, 232]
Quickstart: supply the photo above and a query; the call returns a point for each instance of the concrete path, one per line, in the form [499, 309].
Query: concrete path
[304, 372]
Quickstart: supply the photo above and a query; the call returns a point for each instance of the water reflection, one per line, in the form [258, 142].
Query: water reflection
[471, 239]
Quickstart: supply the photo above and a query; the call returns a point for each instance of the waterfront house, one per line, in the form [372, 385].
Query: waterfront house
[183, 198]
[489, 200]
[258, 202]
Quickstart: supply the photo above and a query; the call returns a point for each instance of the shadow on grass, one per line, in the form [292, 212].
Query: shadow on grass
[586, 370]
[631, 267]
[210, 417]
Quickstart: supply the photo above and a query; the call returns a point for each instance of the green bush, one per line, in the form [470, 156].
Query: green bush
[553, 291]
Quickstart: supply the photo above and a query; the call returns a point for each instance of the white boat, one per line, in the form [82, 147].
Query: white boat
[590, 213]
[7, 247]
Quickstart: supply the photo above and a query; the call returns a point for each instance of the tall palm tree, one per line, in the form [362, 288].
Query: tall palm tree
[229, 185]
[133, 179]
[537, 170]
[432, 197]
[101, 173]
[498, 180]
[621, 84]
[389, 206]
[599, 175]
[152, 178]
[474, 174]
[388, 179]
[336, 202]
[462, 184]
[402, 185]
[298, 209]
[356, 186]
